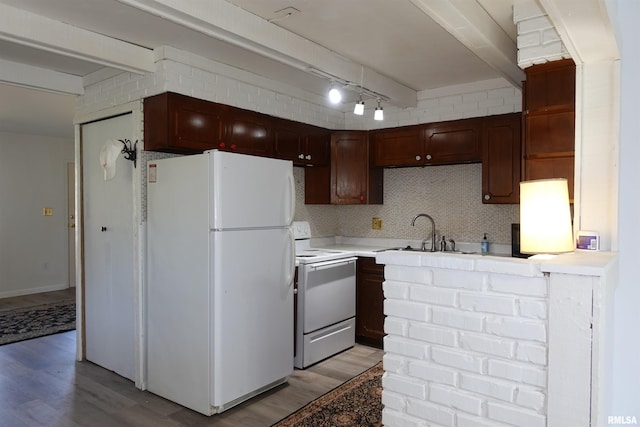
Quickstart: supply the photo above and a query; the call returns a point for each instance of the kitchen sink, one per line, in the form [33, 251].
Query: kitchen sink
[405, 248]
[412, 249]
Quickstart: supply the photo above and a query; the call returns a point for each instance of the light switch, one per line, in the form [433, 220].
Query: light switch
[47, 211]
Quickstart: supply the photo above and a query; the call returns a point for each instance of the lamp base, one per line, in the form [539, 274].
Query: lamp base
[542, 257]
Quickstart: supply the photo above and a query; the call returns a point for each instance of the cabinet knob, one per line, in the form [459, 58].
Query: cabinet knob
[222, 145]
[362, 198]
[301, 156]
[233, 146]
[428, 157]
[487, 196]
[418, 157]
[308, 157]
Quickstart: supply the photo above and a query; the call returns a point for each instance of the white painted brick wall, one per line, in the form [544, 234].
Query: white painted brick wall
[538, 41]
[517, 417]
[206, 80]
[475, 353]
[479, 99]
[455, 399]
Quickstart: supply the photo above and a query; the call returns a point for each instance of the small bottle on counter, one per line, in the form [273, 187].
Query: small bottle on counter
[484, 244]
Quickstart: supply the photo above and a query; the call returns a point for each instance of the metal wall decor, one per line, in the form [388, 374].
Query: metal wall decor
[129, 150]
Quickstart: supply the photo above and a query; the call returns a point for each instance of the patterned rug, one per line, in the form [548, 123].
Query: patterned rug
[354, 403]
[37, 321]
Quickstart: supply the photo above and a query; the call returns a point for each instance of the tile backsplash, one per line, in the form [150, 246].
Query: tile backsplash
[452, 195]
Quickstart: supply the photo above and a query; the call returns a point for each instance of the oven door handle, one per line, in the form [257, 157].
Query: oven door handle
[330, 264]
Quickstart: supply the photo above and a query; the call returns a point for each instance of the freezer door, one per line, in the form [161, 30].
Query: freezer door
[250, 191]
[252, 318]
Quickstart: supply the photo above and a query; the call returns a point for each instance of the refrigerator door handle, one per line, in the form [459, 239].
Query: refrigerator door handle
[292, 196]
[292, 257]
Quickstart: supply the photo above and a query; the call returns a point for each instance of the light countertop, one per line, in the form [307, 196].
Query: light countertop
[578, 262]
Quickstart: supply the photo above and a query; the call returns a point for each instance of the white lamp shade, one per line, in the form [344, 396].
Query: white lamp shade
[378, 114]
[545, 217]
[359, 108]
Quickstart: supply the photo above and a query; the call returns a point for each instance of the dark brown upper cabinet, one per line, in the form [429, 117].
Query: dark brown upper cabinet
[181, 124]
[548, 142]
[349, 179]
[397, 146]
[456, 141]
[501, 158]
[247, 132]
[305, 145]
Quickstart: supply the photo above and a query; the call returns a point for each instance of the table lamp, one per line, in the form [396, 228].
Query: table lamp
[545, 217]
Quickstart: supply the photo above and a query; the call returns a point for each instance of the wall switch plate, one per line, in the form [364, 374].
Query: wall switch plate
[376, 223]
[47, 211]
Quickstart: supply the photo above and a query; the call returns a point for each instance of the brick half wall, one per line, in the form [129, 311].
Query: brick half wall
[467, 342]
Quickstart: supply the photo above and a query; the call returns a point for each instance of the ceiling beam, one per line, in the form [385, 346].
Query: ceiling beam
[468, 22]
[222, 20]
[18, 74]
[28, 29]
[584, 27]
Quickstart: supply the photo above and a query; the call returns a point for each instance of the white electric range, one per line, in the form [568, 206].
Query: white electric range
[325, 298]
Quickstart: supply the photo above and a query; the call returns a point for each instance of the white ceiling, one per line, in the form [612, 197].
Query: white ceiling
[394, 48]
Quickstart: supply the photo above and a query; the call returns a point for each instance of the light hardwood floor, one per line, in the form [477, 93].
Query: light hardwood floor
[23, 301]
[41, 384]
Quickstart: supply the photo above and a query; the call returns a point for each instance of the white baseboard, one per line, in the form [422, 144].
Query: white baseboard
[20, 292]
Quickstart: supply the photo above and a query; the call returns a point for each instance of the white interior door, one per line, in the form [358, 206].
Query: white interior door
[108, 250]
[71, 222]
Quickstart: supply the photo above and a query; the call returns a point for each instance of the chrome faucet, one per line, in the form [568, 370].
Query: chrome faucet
[433, 232]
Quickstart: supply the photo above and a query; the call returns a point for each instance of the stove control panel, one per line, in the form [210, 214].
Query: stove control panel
[301, 230]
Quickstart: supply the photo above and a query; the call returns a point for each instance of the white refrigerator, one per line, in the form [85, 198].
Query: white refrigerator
[220, 269]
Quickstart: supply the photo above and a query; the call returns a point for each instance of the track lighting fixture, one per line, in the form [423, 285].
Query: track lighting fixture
[359, 108]
[378, 114]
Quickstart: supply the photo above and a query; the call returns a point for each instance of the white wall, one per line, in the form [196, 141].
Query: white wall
[625, 398]
[33, 248]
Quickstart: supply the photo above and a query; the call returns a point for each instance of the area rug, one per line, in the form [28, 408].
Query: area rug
[358, 402]
[37, 321]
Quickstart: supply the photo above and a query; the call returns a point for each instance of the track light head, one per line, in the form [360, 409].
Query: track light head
[334, 95]
[378, 114]
[359, 107]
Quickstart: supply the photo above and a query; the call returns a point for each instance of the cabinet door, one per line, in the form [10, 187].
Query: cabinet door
[287, 142]
[316, 147]
[181, 124]
[453, 142]
[349, 161]
[247, 132]
[317, 185]
[551, 85]
[369, 302]
[548, 149]
[551, 167]
[501, 159]
[397, 147]
[348, 179]
[549, 134]
[303, 144]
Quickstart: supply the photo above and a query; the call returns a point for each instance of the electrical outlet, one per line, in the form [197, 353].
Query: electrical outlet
[376, 223]
[47, 211]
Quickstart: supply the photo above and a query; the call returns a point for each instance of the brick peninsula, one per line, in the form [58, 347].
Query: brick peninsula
[495, 341]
